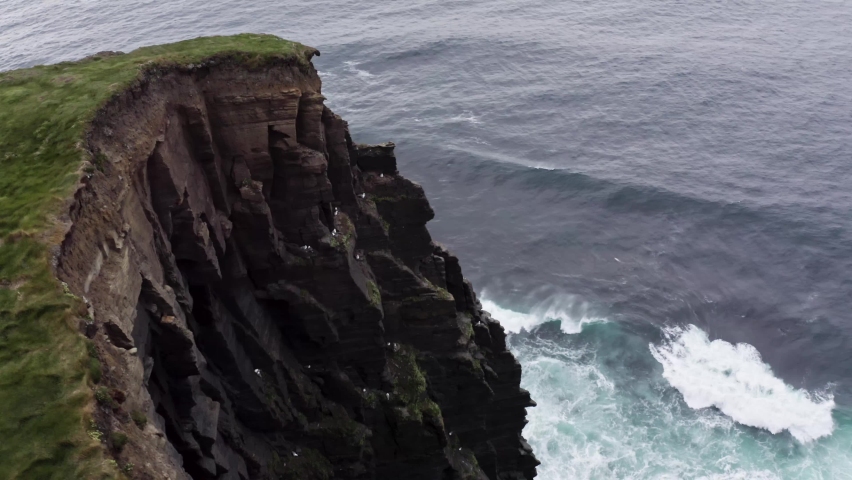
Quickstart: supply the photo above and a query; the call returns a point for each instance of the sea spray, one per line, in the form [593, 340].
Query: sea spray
[570, 313]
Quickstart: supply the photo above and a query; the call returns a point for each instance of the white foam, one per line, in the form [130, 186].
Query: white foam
[511, 320]
[466, 116]
[353, 66]
[734, 379]
[742, 475]
[571, 314]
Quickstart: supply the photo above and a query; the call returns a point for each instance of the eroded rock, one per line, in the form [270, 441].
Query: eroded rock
[287, 311]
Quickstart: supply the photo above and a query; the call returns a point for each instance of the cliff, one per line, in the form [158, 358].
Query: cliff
[259, 294]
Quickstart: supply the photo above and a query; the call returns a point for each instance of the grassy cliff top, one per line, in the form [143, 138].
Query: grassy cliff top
[45, 111]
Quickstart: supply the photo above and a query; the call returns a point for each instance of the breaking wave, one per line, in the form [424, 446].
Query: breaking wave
[571, 314]
[734, 379]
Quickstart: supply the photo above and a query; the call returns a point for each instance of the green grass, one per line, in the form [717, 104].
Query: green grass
[103, 397]
[118, 440]
[139, 419]
[45, 112]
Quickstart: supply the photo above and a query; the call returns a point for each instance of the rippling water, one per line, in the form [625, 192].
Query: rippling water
[656, 191]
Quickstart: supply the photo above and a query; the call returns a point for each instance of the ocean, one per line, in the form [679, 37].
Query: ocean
[652, 195]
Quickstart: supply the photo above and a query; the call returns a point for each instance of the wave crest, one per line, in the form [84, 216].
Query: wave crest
[734, 379]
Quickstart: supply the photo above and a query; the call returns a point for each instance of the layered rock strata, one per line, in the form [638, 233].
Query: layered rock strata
[267, 300]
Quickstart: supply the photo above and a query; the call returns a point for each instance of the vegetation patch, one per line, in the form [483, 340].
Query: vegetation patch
[139, 418]
[95, 370]
[440, 292]
[118, 440]
[8, 298]
[43, 370]
[410, 385]
[344, 429]
[465, 324]
[306, 464]
[443, 294]
[94, 363]
[371, 398]
[375, 293]
[344, 234]
[94, 432]
[45, 113]
[102, 395]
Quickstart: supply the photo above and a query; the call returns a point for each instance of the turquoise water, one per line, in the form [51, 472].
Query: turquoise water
[605, 409]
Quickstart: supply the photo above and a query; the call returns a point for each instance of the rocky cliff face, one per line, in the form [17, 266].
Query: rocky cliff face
[267, 300]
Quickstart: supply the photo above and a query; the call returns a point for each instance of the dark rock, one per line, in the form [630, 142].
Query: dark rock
[292, 316]
[377, 158]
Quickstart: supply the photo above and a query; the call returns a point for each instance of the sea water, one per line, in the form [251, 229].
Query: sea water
[612, 405]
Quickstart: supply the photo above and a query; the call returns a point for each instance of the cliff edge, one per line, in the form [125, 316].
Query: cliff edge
[203, 277]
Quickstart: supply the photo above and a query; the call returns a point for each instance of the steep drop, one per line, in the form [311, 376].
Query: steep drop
[265, 292]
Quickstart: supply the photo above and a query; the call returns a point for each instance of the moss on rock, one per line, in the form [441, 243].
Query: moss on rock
[410, 385]
[375, 294]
